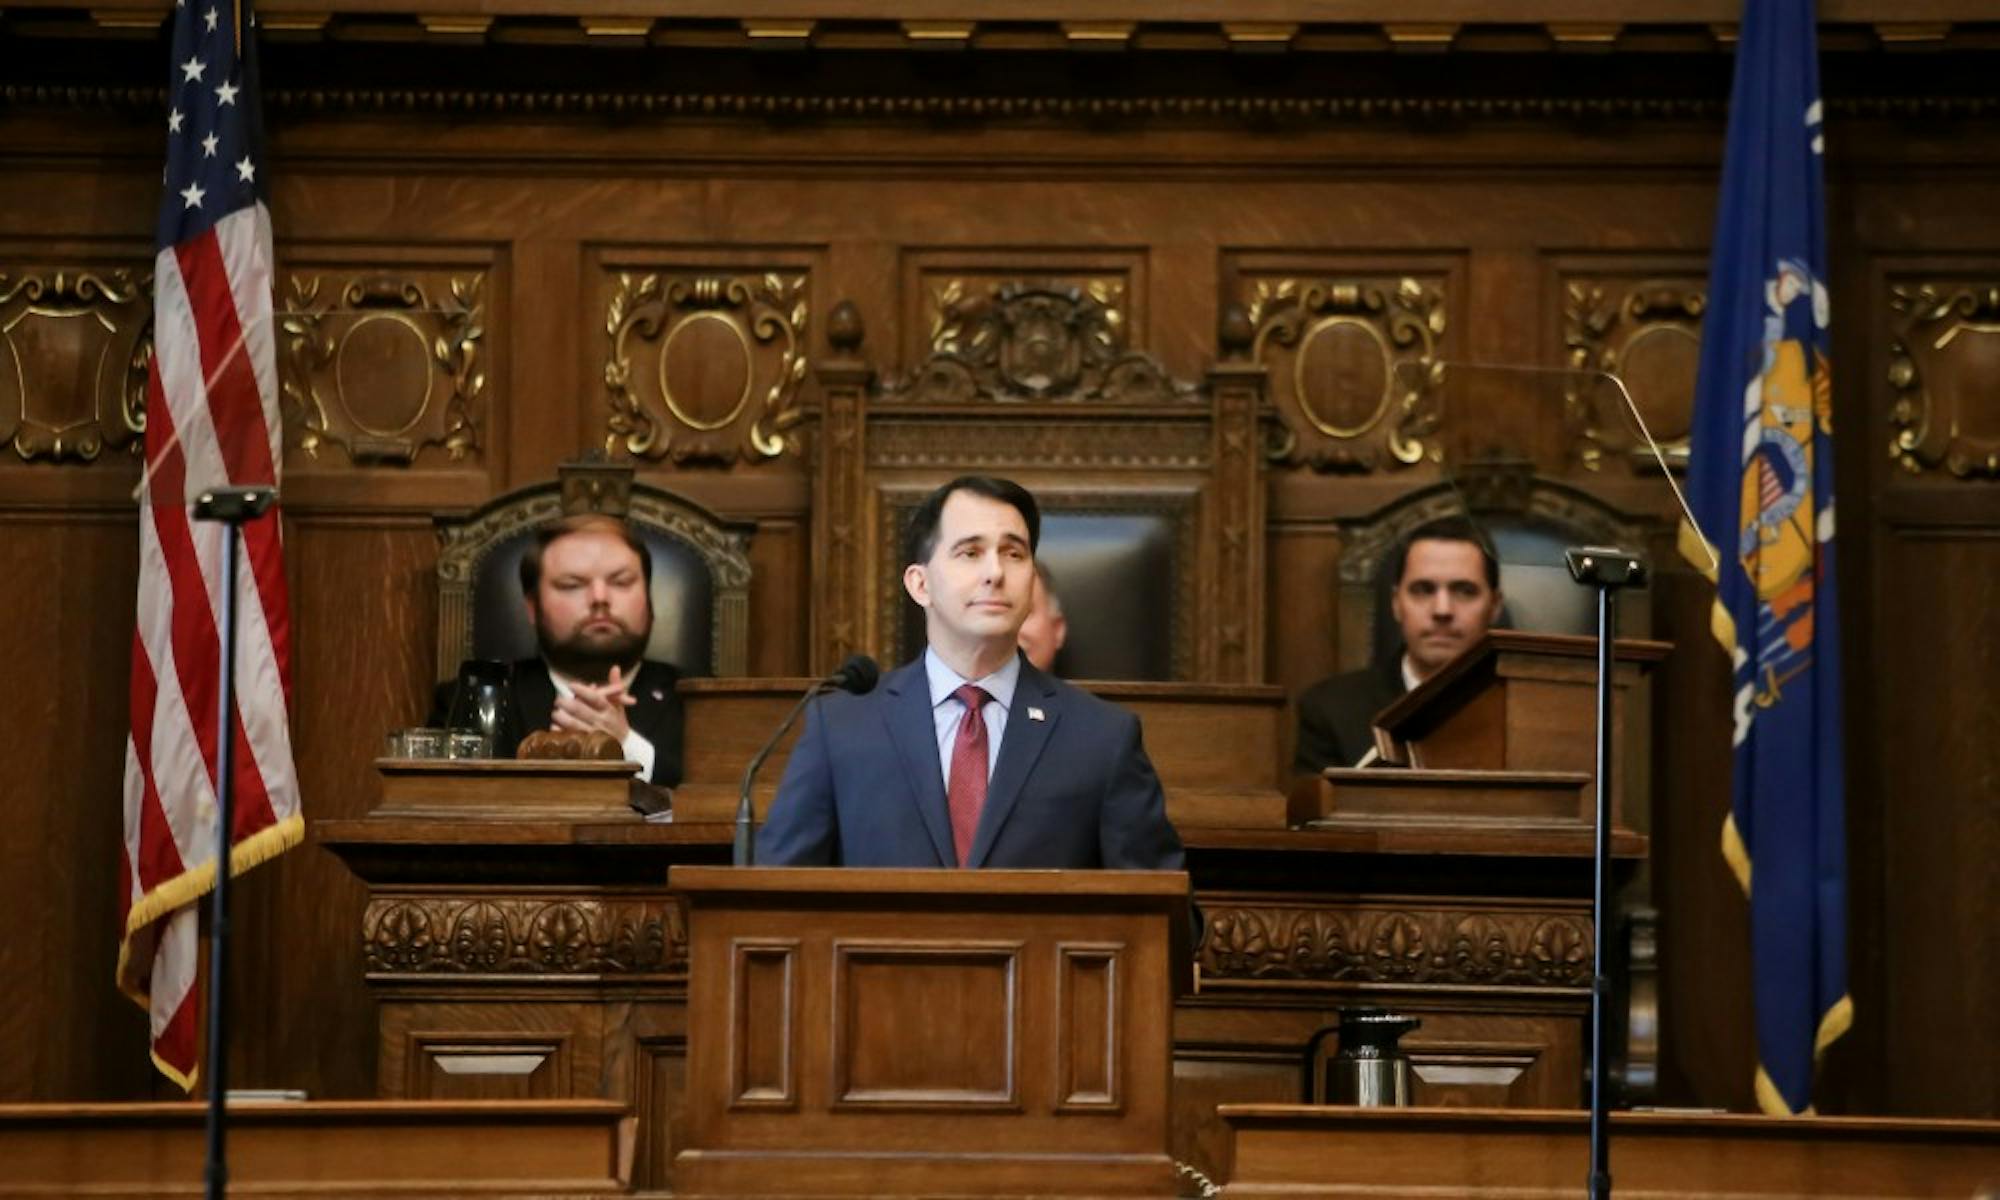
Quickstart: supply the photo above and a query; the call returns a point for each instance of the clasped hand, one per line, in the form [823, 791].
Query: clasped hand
[595, 708]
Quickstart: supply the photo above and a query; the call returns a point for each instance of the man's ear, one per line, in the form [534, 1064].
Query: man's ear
[918, 584]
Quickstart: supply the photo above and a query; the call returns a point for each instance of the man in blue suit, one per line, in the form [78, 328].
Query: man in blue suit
[969, 756]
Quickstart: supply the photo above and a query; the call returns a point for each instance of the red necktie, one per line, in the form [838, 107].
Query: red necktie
[966, 792]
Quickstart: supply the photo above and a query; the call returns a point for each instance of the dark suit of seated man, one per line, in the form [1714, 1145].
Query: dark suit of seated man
[1447, 596]
[969, 756]
[587, 582]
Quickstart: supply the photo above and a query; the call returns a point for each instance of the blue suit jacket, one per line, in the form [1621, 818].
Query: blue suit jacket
[1073, 789]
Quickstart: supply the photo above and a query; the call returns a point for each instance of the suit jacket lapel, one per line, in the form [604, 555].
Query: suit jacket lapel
[1020, 746]
[534, 696]
[913, 731]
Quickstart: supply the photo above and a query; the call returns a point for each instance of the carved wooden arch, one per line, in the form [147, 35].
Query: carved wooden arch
[609, 488]
[1039, 385]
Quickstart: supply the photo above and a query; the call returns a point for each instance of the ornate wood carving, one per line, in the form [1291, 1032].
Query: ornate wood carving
[705, 367]
[385, 364]
[73, 348]
[1648, 333]
[1237, 649]
[1026, 342]
[1944, 363]
[1474, 946]
[491, 934]
[839, 605]
[956, 302]
[1353, 370]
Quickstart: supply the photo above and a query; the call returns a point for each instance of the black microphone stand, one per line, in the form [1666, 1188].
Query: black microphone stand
[233, 507]
[745, 851]
[1607, 570]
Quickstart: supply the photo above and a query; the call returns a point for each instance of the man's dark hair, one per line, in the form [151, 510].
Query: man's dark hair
[546, 535]
[1444, 529]
[923, 533]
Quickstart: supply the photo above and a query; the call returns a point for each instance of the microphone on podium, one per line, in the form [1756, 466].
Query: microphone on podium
[858, 675]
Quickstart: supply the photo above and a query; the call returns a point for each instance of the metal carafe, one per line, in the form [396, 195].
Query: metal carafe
[1369, 1068]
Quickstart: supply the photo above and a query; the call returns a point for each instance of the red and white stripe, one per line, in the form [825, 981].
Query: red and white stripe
[211, 420]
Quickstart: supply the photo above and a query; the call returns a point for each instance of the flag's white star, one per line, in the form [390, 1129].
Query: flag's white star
[192, 69]
[226, 94]
[174, 120]
[208, 19]
[245, 171]
[208, 145]
[192, 194]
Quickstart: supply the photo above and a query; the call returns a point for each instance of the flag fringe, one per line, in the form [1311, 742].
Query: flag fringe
[1735, 854]
[1832, 1026]
[191, 885]
[184, 1082]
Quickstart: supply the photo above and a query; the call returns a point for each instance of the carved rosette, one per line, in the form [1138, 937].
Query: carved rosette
[73, 351]
[1034, 342]
[458, 935]
[1942, 365]
[384, 366]
[705, 368]
[1354, 371]
[1648, 334]
[1510, 948]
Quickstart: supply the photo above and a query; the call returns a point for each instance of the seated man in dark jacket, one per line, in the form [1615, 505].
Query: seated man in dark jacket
[1447, 595]
[587, 584]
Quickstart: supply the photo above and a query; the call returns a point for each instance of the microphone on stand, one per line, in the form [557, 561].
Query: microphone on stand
[858, 675]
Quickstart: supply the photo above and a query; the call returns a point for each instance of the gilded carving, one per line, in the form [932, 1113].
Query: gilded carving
[705, 367]
[1035, 342]
[1354, 370]
[381, 368]
[1944, 364]
[1648, 334]
[954, 306]
[1402, 945]
[523, 935]
[73, 352]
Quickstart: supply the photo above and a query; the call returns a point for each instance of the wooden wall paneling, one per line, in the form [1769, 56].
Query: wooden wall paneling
[1933, 370]
[1707, 1038]
[363, 620]
[646, 1064]
[549, 417]
[1940, 588]
[67, 640]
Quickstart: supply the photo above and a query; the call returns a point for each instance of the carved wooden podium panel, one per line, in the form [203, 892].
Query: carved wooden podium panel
[1519, 702]
[918, 1033]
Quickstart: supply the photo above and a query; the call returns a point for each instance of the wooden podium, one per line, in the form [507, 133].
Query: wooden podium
[927, 1032]
[1502, 736]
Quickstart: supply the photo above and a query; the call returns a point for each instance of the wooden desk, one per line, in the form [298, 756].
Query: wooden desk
[1308, 1153]
[361, 1149]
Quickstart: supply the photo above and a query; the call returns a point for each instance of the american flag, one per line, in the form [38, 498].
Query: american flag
[211, 420]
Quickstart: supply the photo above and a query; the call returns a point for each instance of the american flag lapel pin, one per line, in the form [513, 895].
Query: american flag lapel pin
[1036, 714]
